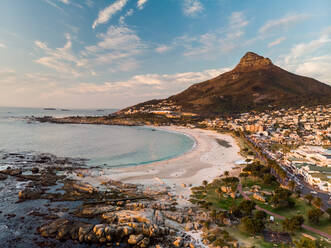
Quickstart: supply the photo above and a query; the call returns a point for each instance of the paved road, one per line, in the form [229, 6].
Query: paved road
[309, 228]
[304, 187]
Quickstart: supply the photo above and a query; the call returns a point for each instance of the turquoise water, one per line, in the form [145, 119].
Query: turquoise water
[103, 145]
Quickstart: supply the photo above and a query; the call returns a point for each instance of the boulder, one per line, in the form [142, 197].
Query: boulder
[97, 210]
[189, 226]
[2, 177]
[50, 230]
[178, 242]
[135, 239]
[83, 187]
[158, 217]
[29, 194]
[144, 243]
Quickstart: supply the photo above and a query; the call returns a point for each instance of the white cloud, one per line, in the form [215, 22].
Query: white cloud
[64, 1]
[141, 3]
[60, 59]
[123, 17]
[105, 14]
[316, 67]
[118, 47]
[310, 59]
[89, 3]
[147, 86]
[51, 3]
[285, 22]
[162, 49]
[276, 42]
[192, 7]
[213, 43]
[2, 45]
[307, 48]
[41, 89]
[116, 50]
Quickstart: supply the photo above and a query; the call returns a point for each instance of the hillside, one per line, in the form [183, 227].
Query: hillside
[254, 84]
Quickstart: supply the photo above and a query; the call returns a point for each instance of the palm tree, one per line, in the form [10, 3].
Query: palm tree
[221, 216]
[291, 185]
[205, 183]
[219, 193]
[317, 202]
[309, 198]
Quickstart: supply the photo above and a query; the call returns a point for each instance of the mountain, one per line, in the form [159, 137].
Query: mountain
[254, 84]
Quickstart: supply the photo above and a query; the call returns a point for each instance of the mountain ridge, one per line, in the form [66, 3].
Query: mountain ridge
[254, 84]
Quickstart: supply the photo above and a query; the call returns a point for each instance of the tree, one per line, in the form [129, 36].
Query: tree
[281, 198]
[291, 185]
[309, 198]
[268, 179]
[221, 216]
[246, 207]
[328, 211]
[243, 174]
[317, 202]
[213, 214]
[219, 192]
[251, 225]
[205, 183]
[314, 215]
[226, 173]
[293, 224]
[235, 211]
[261, 215]
[298, 193]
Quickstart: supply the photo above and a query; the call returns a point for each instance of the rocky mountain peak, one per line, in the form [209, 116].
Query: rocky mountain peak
[253, 61]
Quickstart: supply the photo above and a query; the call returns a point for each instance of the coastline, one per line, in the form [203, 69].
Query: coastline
[205, 161]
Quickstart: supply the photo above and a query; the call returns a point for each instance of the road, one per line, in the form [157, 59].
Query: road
[309, 228]
[303, 186]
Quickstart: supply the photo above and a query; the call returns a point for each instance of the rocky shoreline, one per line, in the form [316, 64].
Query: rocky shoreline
[100, 120]
[55, 207]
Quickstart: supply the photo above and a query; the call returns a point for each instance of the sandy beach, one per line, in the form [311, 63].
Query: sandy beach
[207, 160]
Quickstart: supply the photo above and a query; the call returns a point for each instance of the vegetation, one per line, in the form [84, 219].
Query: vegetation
[293, 224]
[328, 211]
[252, 225]
[314, 215]
[281, 198]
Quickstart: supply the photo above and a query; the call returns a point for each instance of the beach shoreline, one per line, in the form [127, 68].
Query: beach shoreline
[206, 160]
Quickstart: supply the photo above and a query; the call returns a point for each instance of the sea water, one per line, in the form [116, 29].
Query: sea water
[109, 146]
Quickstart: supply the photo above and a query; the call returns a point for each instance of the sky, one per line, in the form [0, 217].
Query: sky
[116, 53]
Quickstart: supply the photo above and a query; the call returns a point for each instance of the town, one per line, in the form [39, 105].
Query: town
[296, 138]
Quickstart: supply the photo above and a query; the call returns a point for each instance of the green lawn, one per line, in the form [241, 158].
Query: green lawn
[210, 196]
[250, 181]
[301, 208]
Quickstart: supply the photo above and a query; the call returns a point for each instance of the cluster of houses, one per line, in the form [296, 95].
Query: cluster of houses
[165, 107]
[313, 164]
[293, 137]
[272, 131]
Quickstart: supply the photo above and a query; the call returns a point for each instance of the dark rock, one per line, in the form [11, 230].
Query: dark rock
[2, 177]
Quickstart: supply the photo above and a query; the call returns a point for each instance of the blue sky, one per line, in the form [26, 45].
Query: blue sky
[114, 53]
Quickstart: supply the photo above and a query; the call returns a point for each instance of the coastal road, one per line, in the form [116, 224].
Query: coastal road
[304, 187]
[309, 228]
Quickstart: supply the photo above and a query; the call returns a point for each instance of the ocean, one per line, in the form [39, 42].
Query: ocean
[108, 146]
